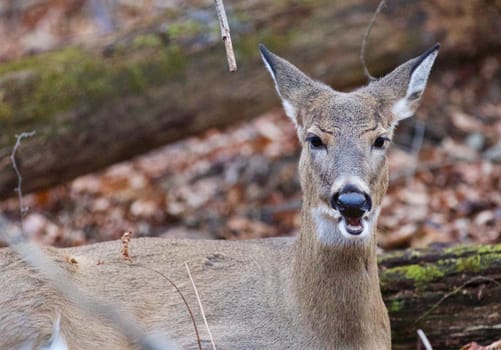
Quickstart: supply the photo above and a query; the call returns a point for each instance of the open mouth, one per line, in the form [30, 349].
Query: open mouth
[330, 223]
[354, 226]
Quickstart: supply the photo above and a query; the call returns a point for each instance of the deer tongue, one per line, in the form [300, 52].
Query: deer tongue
[354, 225]
[353, 221]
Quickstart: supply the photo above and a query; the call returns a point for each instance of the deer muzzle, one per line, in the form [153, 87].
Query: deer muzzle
[352, 204]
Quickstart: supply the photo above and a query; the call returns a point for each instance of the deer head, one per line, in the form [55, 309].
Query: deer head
[344, 138]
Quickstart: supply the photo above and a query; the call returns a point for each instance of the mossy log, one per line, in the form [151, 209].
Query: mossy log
[453, 294]
[97, 103]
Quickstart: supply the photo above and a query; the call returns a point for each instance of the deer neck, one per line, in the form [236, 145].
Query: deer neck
[336, 287]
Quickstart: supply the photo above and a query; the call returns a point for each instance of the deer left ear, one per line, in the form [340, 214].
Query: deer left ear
[406, 106]
[405, 85]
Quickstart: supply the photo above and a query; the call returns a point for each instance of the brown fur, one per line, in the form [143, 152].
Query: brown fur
[266, 294]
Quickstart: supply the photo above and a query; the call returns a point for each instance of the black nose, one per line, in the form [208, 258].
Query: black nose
[351, 202]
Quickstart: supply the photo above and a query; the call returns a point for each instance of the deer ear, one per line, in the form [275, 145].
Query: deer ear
[408, 82]
[292, 85]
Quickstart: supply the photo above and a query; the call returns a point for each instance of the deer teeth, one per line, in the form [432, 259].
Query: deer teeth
[354, 230]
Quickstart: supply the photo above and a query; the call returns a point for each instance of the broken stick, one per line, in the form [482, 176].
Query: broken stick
[225, 34]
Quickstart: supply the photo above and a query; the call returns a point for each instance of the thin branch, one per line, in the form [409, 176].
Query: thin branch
[197, 334]
[455, 291]
[424, 339]
[201, 307]
[18, 189]
[366, 37]
[225, 35]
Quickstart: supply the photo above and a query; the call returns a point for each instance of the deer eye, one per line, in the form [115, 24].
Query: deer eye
[315, 141]
[380, 142]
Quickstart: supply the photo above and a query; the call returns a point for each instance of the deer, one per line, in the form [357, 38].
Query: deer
[319, 290]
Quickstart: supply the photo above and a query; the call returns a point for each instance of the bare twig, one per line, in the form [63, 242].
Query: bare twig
[197, 334]
[455, 291]
[424, 339]
[366, 37]
[201, 307]
[19, 190]
[225, 34]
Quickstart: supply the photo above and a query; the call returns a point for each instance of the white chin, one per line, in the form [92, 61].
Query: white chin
[354, 232]
[332, 229]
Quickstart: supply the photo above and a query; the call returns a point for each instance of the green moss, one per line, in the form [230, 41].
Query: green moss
[396, 305]
[422, 274]
[62, 80]
[478, 263]
[465, 249]
[418, 274]
[462, 260]
[471, 263]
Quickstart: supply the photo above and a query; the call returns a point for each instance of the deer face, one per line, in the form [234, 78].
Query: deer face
[343, 164]
[344, 138]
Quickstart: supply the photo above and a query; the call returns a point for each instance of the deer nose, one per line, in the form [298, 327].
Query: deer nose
[351, 202]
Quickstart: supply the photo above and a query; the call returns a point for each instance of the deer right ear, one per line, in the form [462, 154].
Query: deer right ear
[407, 83]
[292, 85]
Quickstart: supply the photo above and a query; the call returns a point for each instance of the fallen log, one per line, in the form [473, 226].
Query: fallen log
[453, 294]
[97, 103]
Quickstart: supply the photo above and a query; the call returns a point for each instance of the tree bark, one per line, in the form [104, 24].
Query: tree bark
[453, 294]
[97, 103]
